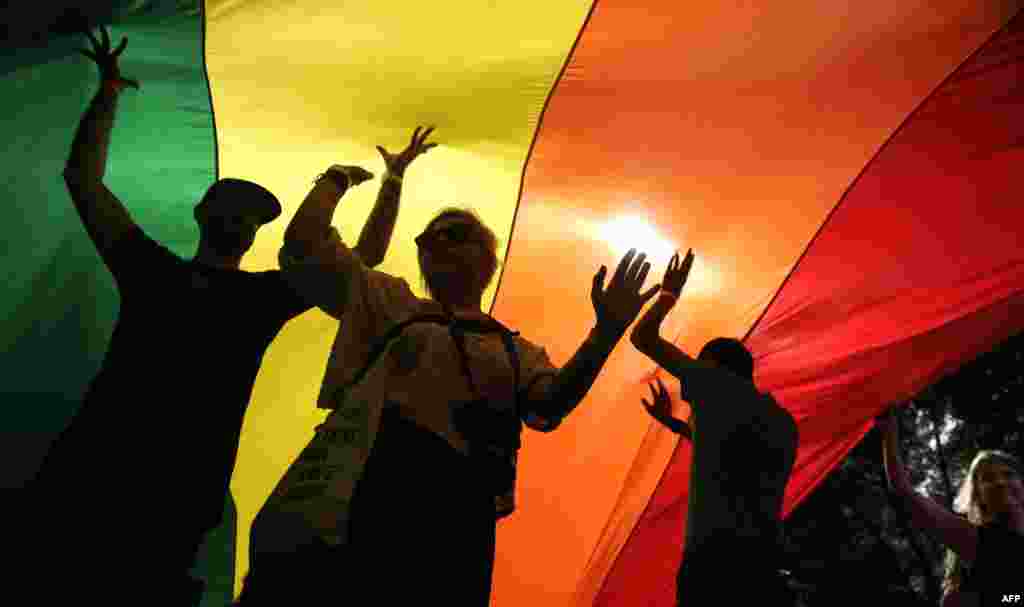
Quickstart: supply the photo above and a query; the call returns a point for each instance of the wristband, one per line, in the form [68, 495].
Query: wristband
[670, 295]
[336, 178]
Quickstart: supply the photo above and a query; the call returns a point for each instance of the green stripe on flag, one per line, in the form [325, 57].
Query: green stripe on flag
[59, 301]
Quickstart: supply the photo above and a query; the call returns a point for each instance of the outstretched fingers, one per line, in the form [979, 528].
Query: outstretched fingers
[96, 45]
[623, 268]
[597, 289]
[101, 52]
[688, 261]
[641, 276]
[637, 267]
[652, 407]
[421, 145]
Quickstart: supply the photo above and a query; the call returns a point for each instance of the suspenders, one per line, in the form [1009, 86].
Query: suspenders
[493, 431]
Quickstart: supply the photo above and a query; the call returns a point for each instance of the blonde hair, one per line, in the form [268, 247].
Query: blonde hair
[491, 241]
[967, 502]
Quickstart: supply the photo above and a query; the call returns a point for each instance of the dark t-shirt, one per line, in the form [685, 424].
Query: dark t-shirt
[156, 436]
[998, 569]
[744, 448]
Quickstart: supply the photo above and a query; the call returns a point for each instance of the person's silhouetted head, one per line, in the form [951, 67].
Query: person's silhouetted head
[231, 212]
[730, 354]
[458, 255]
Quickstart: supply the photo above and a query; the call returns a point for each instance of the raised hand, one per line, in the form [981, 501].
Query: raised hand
[677, 273]
[397, 163]
[617, 306]
[106, 59]
[355, 175]
[661, 408]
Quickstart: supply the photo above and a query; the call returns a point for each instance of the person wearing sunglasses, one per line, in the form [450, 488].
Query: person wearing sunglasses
[393, 481]
[453, 234]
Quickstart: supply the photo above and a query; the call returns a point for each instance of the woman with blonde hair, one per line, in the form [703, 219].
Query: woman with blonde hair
[983, 561]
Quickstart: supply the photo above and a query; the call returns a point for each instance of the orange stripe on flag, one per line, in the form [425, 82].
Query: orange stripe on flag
[732, 130]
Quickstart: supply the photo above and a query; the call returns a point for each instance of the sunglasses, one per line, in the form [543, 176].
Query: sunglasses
[456, 234]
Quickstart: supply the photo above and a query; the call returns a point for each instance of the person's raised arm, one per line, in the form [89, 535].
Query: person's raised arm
[314, 260]
[648, 341]
[105, 218]
[646, 334]
[616, 308]
[956, 533]
[311, 223]
[377, 231]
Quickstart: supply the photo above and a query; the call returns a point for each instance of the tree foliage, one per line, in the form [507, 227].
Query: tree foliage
[852, 539]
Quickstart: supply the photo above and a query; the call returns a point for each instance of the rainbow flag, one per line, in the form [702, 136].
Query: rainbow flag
[848, 177]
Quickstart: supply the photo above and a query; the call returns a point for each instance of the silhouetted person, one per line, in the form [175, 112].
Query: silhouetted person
[128, 490]
[396, 496]
[744, 448]
[986, 550]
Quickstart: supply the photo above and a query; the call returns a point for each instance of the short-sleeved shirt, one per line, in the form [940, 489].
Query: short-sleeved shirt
[156, 436]
[744, 448]
[419, 374]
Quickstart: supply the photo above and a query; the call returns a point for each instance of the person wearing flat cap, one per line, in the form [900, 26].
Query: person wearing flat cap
[143, 469]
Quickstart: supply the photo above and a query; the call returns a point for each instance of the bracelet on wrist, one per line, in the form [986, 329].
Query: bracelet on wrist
[339, 179]
[669, 295]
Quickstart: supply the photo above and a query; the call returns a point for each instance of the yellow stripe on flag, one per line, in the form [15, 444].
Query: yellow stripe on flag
[301, 86]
